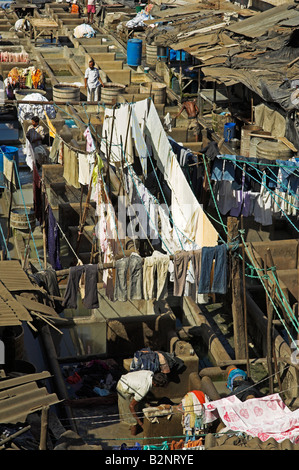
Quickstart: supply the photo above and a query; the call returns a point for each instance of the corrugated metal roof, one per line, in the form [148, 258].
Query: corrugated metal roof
[11, 311]
[15, 308]
[21, 396]
[258, 25]
[14, 277]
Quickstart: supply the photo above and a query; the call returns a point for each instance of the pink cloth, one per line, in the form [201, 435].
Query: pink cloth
[90, 147]
[91, 9]
[264, 417]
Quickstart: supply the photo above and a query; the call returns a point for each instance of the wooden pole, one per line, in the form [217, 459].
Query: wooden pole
[44, 222]
[269, 327]
[44, 428]
[237, 307]
[245, 302]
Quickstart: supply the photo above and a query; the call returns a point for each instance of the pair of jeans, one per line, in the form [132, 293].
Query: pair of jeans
[155, 268]
[91, 292]
[288, 170]
[219, 285]
[134, 266]
[223, 170]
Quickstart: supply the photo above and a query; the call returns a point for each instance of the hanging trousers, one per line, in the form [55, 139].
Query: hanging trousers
[133, 266]
[219, 285]
[155, 268]
[91, 293]
[180, 263]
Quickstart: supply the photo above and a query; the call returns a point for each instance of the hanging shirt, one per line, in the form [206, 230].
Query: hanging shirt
[90, 147]
[84, 170]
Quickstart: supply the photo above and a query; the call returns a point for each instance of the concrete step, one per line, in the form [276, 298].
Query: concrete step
[111, 65]
[119, 76]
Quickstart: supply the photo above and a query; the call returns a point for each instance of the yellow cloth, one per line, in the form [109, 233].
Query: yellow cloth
[52, 130]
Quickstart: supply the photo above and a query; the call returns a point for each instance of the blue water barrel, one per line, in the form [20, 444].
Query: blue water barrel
[229, 131]
[134, 52]
[10, 153]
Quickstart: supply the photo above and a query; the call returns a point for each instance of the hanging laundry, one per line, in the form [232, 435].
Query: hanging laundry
[117, 135]
[47, 279]
[193, 413]
[131, 288]
[37, 195]
[219, 284]
[30, 157]
[53, 156]
[90, 299]
[9, 170]
[52, 130]
[155, 271]
[139, 142]
[84, 169]
[53, 240]
[180, 262]
[106, 232]
[90, 146]
[223, 170]
[71, 167]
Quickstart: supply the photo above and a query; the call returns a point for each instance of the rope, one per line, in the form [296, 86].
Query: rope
[266, 290]
[64, 236]
[271, 193]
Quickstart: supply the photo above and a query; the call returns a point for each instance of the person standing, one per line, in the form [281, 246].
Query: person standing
[92, 82]
[91, 9]
[192, 111]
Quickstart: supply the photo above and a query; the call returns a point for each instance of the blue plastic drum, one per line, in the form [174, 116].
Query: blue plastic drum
[134, 52]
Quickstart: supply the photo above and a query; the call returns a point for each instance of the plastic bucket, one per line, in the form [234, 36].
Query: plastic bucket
[134, 52]
[229, 131]
[10, 153]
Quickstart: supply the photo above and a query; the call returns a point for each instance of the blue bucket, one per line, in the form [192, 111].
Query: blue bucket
[134, 52]
[10, 153]
[229, 131]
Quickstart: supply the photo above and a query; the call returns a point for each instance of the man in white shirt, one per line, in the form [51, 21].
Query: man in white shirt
[92, 81]
[131, 389]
